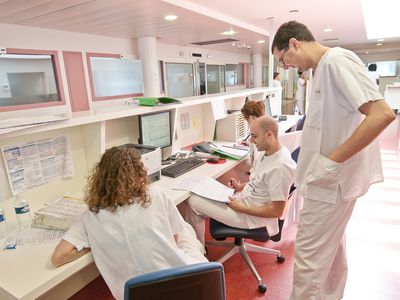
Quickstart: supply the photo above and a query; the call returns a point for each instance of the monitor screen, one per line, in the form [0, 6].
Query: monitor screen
[155, 129]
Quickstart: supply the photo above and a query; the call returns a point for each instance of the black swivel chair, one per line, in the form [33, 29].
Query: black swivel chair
[221, 231]
[202, 281]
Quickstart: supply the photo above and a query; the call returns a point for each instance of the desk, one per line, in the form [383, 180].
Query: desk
[40, 279]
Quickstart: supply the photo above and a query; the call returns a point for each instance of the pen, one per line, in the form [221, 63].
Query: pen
[247, 137]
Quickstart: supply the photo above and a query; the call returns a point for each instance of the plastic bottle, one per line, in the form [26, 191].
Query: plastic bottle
[22, 212]
[3, 225]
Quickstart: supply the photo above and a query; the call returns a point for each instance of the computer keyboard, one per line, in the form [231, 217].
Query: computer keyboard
[182, 166]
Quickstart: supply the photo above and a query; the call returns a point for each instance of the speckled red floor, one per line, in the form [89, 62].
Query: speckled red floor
[373, 247]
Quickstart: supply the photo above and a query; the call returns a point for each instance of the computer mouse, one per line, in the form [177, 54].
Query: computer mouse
[212, 159]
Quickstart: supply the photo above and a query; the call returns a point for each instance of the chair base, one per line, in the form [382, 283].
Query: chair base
[241, 247]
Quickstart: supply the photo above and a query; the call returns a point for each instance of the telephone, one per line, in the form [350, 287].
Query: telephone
[202, 147]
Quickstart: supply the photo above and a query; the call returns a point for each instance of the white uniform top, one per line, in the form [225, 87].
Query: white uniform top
[132, 240]
[276, 83]
[300, 92]
[373, 75]
[340, 87]
[269, 181]
[254, 156]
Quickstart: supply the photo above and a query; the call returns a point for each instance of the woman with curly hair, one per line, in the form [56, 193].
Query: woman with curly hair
[131, 227]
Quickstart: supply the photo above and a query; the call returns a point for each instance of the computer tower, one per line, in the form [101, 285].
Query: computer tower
[231, 128]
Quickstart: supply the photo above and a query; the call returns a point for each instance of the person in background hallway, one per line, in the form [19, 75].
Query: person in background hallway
[277, 80]
[131, 228]
[251, 110]
[373, 74]
[339, 157]
[259, 202]
[301, 92]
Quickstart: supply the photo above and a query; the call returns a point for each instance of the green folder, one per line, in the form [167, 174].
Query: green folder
[152, 101]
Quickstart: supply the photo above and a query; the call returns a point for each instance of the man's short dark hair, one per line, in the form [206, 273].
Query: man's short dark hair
[372, 67]
[275, 74]
[291, 29]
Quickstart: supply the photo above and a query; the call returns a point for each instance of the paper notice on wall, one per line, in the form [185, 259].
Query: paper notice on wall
[37, 162]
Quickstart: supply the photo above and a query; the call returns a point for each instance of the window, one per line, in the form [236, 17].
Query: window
[113, 77]
[234, 74]
[29, 79]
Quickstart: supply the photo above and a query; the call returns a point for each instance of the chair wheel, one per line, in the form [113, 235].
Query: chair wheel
[262, 288]
[280, 259]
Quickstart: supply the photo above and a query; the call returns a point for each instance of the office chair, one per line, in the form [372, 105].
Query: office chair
[202, 281]
[220, 232]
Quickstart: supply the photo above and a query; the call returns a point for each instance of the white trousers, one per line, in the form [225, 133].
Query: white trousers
[200, 208]
[320, 263]
[300, 106]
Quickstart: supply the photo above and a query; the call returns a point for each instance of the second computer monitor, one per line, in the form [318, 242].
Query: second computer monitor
[155, 129]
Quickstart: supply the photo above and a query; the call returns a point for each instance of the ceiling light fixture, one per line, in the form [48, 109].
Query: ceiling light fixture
[229, 32]
[170, 17]
[381, 40]
[379, 44]
[328, 29]
[261, 41]
[366, 52]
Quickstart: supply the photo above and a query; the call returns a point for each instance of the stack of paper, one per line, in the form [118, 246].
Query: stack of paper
[206, 187]
[60, 214]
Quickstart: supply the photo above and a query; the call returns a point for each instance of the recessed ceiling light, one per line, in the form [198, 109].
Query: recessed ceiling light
[229, 32]
[328, 29]
[170, 17]
[379, 44]
[381, 40]
[366, 52]
[261, 41]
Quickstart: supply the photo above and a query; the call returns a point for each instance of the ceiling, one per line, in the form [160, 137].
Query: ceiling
[199, 21]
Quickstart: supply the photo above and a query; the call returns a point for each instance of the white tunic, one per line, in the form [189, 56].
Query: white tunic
[134, 240]
[340, 87]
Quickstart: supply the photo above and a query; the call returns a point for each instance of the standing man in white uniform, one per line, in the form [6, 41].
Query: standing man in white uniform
[259, 202]
[339, 157]
[301, 92]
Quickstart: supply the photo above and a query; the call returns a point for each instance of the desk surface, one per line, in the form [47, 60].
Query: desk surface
[27, 272]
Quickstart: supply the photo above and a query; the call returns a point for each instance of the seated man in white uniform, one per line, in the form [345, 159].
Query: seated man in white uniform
[131, 228]
[259, 202]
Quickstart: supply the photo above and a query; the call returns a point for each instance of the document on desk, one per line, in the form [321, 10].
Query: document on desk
[206, 187]
[31, 236]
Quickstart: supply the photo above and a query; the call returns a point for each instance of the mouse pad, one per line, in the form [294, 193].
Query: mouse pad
[219, 161]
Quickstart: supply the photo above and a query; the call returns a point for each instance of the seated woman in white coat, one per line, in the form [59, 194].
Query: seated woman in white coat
[130, 227]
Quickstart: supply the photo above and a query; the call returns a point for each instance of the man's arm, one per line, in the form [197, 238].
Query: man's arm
[378, 116]
[66, 252]
[273, 209]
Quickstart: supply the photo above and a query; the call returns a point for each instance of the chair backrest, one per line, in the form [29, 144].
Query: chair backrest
[203, 281]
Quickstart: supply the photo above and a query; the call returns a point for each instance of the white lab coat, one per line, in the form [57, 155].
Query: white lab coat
[134, 240]
[330, 189]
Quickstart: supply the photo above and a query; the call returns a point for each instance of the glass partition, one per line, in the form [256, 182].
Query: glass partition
[29, 79]
[113, 77]
[180, 80]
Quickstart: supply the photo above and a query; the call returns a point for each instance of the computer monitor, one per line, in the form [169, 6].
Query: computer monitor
[155, 129]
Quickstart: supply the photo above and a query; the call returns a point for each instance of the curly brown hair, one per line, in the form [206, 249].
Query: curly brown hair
[119, 179]
[253, 108]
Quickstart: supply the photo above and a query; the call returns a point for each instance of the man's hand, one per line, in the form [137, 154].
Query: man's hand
[236, 205]
[236, 185]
